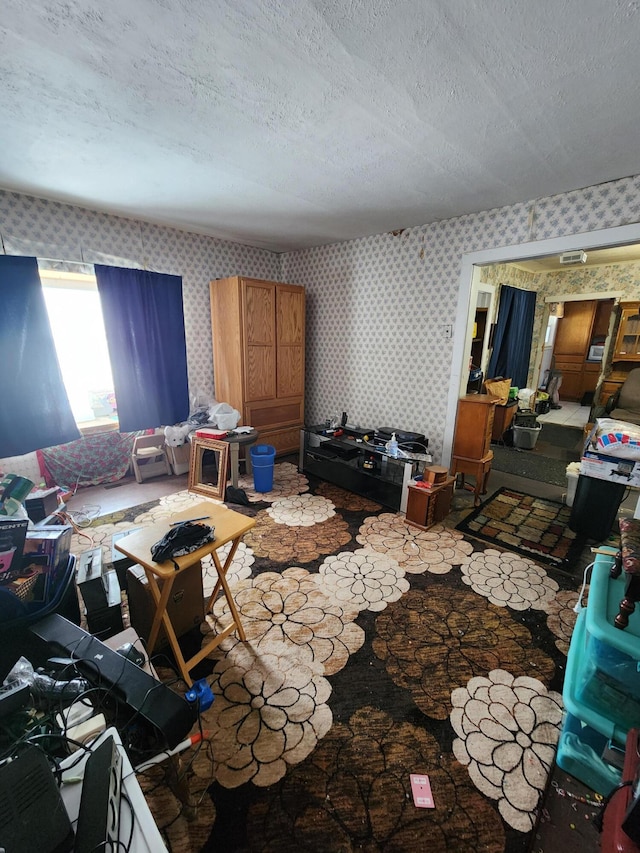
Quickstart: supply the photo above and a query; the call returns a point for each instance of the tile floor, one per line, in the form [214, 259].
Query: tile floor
[571, 414]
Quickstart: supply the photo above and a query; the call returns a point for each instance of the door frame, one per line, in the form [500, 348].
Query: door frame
[601, 239]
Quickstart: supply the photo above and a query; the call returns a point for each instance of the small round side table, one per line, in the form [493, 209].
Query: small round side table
[243, 439]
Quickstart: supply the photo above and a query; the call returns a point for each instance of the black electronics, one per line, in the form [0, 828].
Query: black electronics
[343, 451]
[33, 818]
[13, 697]
[168, 716]
[100, 591]
[99, 815]
[402, 436]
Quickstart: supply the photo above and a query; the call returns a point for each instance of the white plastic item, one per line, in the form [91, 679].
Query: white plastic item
[573, 472]
[392, 446]
[526, 398]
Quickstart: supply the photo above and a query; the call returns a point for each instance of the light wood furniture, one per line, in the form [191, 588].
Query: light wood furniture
[474, 425]
[229, 526]
[258, 355]
[583, 322]
[472, 452]
[479, 469]
[426, 507]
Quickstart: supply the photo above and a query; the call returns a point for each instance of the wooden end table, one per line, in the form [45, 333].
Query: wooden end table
[235, 441]
[229, 526]
[477, 468]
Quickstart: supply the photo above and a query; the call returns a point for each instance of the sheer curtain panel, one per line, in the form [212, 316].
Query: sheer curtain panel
[35, 411]
[144, 325]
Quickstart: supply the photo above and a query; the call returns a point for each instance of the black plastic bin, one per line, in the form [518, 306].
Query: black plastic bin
[595, 507]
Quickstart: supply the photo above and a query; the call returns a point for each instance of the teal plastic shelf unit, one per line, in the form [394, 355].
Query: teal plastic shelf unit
[604, 718]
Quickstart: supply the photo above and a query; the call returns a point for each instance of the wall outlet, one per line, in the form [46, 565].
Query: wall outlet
[447, 331]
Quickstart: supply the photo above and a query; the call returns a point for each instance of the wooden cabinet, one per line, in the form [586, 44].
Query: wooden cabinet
[627, 346]
[583, 323]
[258, 355]
[625, 355]
[474, 425]
[472, 452]
[503, 418]
[426, 507]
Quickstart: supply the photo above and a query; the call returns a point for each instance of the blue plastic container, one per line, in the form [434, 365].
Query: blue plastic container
[580, 751]
[602, 717]
[262, 461]
[608, 676]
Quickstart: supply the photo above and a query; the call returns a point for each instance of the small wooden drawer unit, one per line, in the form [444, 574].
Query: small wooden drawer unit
[426, 507]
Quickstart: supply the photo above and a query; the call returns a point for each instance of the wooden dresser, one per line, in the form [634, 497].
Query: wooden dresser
[258, 355]
[472, 452]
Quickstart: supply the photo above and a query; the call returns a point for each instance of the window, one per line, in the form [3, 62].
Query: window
[75, 314]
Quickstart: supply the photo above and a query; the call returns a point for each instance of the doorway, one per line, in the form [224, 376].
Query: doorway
[538, 252]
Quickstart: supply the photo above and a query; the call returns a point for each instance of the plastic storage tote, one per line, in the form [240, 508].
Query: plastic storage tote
[262, 462]
[524, 437]
[580, 751]
[573, 472]
[599, 716]
[610, 676]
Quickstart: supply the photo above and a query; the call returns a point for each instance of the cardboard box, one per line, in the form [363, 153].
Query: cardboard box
[615, 469]
[185, 607]
[13, 532]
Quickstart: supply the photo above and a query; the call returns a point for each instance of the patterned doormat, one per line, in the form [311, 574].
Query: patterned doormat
[535, 527]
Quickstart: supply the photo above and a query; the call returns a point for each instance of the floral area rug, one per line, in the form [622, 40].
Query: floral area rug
[374, 650]
[530, 526]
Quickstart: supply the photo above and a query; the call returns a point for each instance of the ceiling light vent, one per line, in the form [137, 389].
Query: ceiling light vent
[578, 257]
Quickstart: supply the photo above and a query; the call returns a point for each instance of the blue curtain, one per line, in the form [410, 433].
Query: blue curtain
[35, 410]
[144, 325]
[512, 338]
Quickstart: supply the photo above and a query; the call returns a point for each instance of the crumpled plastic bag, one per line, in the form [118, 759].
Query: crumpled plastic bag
[224, 416]
[180, 540]
[616, 438]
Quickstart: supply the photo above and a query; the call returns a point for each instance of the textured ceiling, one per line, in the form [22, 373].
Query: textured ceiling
[292, 123]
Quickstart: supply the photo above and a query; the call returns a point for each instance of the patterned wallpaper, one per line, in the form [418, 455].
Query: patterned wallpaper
[32, 226]
[623, 278]
[376, 306]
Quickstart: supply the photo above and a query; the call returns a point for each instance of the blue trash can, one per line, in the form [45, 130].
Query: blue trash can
[262, 460]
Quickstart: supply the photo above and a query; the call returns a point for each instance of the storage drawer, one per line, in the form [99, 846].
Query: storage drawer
[284, 440]
[570, 366]
[274, 413]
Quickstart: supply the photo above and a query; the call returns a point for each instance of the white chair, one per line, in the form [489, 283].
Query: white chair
[149, 456]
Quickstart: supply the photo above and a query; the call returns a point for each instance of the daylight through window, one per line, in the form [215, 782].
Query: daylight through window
[75, 314]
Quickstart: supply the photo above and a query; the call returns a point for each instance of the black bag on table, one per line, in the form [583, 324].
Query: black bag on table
[180, 540]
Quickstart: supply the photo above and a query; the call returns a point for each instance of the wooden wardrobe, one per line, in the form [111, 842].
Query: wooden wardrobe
[258, 355]
[584, 322]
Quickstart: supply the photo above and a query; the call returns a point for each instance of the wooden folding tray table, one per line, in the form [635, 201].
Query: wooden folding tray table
[229, 526]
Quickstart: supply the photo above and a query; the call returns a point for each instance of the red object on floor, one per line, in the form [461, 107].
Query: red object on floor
[614, 839]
